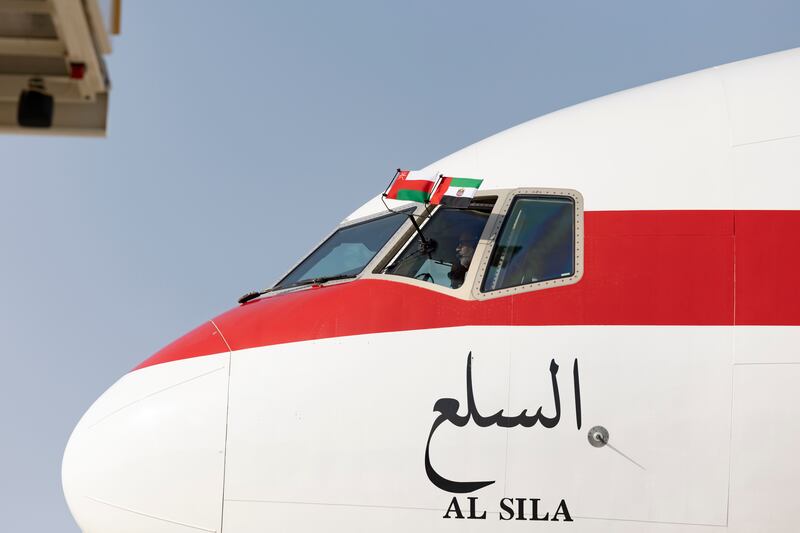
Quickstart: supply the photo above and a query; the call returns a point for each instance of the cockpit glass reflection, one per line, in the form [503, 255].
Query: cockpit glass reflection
[345, 253]
[536, 243]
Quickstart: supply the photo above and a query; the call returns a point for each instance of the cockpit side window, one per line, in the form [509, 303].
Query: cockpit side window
[452, 236]
[346, 252]
[537, 243]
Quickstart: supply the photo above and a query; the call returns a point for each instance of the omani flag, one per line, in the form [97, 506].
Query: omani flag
[455, 192]
[411, 185]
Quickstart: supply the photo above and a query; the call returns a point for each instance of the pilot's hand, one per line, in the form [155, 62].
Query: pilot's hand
[456, 274]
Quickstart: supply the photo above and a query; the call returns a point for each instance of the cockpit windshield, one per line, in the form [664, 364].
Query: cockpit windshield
[452, 236]
[345, 253]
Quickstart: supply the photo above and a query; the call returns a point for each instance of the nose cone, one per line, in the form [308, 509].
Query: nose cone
[149, 454]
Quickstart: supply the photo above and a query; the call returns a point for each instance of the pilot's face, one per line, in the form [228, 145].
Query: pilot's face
[465, 249]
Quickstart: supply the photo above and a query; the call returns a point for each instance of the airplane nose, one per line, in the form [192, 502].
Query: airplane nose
[149, 454]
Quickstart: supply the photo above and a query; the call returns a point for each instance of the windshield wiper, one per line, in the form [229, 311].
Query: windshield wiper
[316, 281]
[308, 281]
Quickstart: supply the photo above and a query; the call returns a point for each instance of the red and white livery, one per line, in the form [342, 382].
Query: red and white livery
[619, 353]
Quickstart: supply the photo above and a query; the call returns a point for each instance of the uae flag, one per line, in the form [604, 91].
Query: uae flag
[411, 185]
[455, 192]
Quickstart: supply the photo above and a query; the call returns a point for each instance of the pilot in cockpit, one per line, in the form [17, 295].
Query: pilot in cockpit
[465, 249]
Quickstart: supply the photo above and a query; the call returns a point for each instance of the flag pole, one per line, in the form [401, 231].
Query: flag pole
[386, 190]
[427, 246]
[433, 190]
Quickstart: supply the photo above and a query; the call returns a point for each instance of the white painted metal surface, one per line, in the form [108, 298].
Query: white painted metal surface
[331, 434]
[148, 455]
[664, 394]
[699, 141]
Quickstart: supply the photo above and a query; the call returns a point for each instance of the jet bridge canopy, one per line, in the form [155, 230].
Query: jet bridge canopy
[52, 74]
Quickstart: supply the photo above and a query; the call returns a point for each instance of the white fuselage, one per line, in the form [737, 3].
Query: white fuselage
[320, 408]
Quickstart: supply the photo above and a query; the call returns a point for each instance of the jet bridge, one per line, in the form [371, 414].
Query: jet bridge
[53, 78]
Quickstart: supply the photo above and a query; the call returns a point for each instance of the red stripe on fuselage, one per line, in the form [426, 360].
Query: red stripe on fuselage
[767, 258]
[640, 268]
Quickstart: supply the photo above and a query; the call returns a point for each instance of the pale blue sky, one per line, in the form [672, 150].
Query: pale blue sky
[240, 133]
